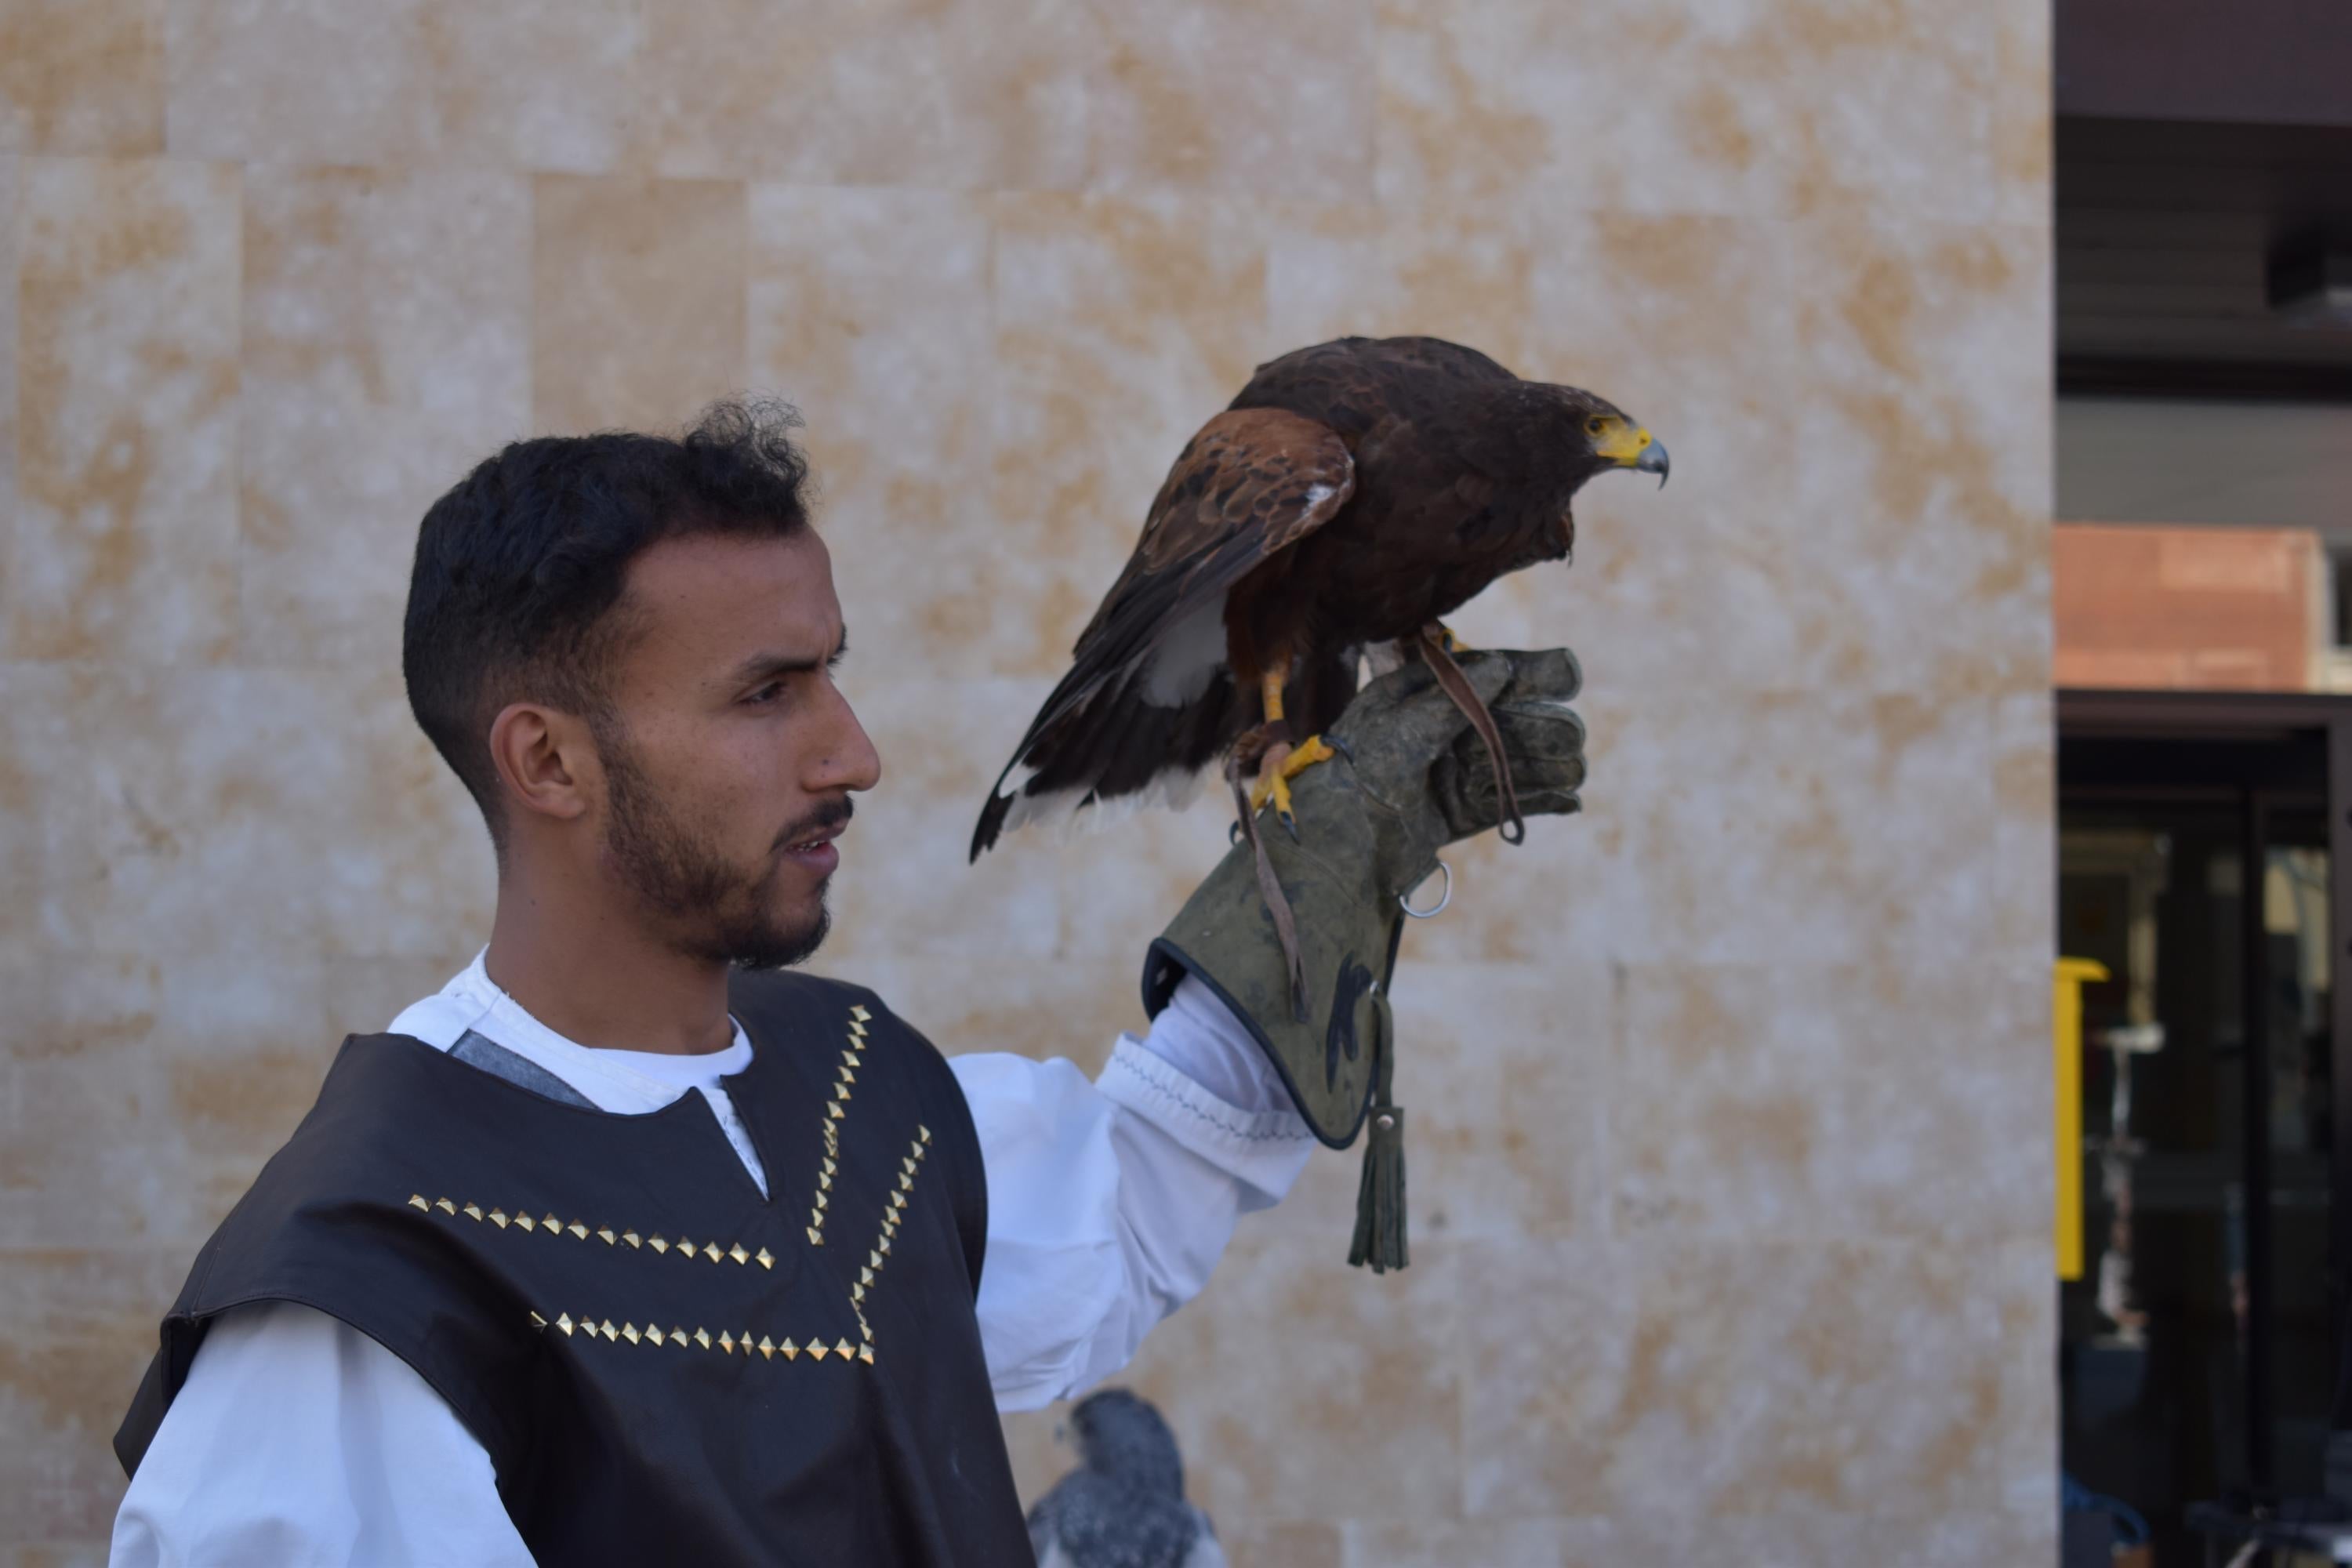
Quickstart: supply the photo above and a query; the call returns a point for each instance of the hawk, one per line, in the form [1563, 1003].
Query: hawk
[1351, 496]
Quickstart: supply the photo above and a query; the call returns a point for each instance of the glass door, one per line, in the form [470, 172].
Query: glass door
[2199, 1356]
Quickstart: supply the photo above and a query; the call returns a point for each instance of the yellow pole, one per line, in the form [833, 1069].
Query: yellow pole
[2068, 975]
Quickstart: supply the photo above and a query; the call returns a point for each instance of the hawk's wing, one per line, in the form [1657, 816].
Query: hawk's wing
[1252, 483]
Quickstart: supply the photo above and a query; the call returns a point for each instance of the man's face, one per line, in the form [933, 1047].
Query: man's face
[729, 753]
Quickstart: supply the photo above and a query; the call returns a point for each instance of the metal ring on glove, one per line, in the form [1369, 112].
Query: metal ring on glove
[1435, 909]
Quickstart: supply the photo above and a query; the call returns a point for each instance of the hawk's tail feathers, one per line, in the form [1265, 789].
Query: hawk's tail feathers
[1112, 747]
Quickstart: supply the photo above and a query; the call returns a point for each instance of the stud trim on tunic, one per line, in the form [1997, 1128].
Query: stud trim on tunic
[767, 1346]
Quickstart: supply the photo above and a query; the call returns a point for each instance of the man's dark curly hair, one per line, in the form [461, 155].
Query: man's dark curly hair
[519, 567]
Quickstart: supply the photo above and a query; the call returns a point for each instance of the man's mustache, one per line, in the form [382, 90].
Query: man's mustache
[832, 813]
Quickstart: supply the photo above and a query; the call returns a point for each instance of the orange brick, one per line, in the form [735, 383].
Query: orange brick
[2207, 608]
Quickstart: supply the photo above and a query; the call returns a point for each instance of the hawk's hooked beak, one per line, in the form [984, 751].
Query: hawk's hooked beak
[1629, 445]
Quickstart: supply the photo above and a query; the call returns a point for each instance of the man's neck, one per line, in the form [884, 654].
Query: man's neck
[601, 981]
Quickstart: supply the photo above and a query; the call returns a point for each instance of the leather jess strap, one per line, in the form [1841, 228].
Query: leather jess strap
[1456, 685]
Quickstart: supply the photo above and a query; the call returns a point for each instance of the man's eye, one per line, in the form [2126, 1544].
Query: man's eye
[768, 693]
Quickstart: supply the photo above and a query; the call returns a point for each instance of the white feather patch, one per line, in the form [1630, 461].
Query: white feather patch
[1187, 657]
[1061, 815]
[1020, 774]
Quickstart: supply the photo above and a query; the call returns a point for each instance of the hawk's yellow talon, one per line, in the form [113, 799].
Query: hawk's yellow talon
[1274, 783]
[1310, 752]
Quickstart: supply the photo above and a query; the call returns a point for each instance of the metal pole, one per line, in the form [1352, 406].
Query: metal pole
[2339, 1054]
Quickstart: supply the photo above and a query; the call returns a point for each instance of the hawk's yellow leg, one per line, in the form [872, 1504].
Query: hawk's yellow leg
[1283, 762]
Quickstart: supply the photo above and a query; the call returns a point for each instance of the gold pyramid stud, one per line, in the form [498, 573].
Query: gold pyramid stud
[527, 1223]
[738, 1254]
[792, 1351]
[816, 1217]
[678, 1337]
[767, 1260]
[883, 1247]
[629, 1332]
[922, 1131]
[848, 1077]
[653, 1333]
[607, 1329]
[821, 1197]
[905, 1183]
[816, 1236]
[841, 1092]
[537, 1322]
[866, 1354]
[473, 1210]
[816, 1349]
[907, 1163]
[702, 1338]
[855, 1059]
[767, 1348]
[898, 1200]
[417, 1201]
[849, 1058]
[564, 1322]
[685, 1248]
[856, 1294]
[859, 1013]
[844, 1351]
[710, 1250]
[874, 1260]
[829, 1167]
[866, 1275]
[607, 1235]
[498, 1218]
[833, 1111]
[825, 1182]
[726, 1343]
[553, 1223]
[864, 1328]
[445, 1205]
[633, 1238]
[657, 1244]
[578, 1230]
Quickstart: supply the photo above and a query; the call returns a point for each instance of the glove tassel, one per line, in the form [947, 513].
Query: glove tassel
[1380, 1196]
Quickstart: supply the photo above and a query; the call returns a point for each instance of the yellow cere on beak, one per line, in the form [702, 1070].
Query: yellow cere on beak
[1627, 444]
[1622, 442]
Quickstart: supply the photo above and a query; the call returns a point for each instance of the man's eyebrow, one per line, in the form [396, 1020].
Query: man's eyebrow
[767, 666]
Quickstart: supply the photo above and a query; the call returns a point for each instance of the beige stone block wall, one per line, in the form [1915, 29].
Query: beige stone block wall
[1729, 1099]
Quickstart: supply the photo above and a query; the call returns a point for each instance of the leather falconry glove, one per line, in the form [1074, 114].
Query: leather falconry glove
[1411, 776]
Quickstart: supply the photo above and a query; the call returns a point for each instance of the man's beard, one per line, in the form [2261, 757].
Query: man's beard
[717, 913]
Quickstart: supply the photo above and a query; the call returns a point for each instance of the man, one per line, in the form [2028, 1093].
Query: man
[625, 1247]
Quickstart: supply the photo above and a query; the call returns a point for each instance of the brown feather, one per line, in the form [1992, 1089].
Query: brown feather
[1248, 487]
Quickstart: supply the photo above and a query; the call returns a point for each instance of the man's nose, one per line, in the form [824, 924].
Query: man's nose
[849, 760]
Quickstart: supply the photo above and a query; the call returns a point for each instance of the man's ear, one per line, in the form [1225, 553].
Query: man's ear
[546, 760]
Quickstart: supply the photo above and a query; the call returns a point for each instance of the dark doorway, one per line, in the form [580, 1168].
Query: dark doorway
[2201, 1352]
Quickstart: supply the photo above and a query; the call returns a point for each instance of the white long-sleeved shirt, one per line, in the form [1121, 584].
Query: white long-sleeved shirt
[298, 1440]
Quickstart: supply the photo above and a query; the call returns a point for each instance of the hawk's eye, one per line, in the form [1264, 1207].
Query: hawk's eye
[1594, 426]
